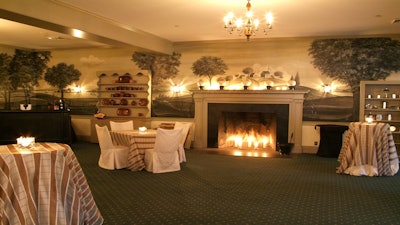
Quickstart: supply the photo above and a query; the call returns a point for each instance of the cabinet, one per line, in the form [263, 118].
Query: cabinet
[380, 101]
[124, 94]
[45, 126]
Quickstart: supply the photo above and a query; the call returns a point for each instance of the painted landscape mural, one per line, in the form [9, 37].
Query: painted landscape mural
[330, 69]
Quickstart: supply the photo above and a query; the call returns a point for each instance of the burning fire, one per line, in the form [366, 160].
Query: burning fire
[250, 140]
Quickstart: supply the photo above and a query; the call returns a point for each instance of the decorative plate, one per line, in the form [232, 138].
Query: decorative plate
[143, 102]
[123, 112]
[123, 102]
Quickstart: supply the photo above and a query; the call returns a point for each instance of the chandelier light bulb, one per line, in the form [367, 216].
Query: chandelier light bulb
[250, 25]
[249, 14]
[256, 23]
[269, 18]
[239, 23]
[228, 19]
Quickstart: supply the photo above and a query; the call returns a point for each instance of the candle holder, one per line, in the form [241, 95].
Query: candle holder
[26, 142]
[142, 129]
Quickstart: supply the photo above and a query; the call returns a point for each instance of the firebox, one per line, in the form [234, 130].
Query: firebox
[247, 130]
[244, 126]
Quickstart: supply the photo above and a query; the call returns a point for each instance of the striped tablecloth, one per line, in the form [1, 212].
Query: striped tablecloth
[138, 142]
[44, 185]
[368, 149]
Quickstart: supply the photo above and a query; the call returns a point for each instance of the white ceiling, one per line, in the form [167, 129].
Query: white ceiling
[201, 20]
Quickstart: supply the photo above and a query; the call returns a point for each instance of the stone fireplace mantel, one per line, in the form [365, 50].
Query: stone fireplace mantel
[293, 98]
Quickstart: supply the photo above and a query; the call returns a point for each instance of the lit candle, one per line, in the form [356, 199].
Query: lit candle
[369, 119]
[142, 129]
[25, 141]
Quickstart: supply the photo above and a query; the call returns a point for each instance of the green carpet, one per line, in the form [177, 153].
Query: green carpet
[220, 189]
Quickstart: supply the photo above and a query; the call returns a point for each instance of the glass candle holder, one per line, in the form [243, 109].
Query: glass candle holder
[25, 142]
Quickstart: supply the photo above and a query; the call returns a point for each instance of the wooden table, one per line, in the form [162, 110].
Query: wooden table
[368, 149]
[138, 142]
[44, 185]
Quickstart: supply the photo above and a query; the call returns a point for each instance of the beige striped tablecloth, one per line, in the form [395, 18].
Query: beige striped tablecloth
[368, 149]
[138, 142]
[44, 185]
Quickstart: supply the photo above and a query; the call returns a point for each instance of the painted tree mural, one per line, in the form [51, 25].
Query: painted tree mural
[61, 75]
[160, 66]
[209, 66]
[27, 68]
[352, 60]
[5, 82]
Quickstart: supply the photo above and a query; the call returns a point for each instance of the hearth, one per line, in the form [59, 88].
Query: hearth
[286, 105]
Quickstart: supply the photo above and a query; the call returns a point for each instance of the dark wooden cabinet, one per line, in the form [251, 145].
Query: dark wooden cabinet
[45, 126]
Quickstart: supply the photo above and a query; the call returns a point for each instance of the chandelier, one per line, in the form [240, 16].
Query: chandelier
[249, 25]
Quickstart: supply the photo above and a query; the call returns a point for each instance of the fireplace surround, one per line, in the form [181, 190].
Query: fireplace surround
[293, 98]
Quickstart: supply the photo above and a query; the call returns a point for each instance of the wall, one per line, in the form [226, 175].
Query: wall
[289, 56]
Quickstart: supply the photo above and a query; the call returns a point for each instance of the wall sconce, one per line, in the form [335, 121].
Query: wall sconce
[326, 88]
[177, 89]
[77, 89]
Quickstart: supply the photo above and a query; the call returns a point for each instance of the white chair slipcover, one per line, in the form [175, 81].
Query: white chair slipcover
[125, 125]
[111, 156]
[185, 126]
[164, 156]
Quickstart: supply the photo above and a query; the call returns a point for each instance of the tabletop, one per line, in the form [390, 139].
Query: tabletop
[44, 184]
[368, 149]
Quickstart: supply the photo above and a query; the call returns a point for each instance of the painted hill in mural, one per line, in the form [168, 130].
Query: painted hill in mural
[320, 106]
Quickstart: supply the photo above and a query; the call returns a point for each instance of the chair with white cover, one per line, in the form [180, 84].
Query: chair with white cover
[164, 156]
[185, 126]
[124, 125]
[111, 156]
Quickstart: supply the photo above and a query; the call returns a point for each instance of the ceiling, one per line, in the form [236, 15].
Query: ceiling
[201, 20]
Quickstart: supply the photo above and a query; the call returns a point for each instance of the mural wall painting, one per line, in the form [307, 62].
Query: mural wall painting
[330, 69]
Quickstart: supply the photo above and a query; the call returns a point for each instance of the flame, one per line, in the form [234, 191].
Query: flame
[250, 140]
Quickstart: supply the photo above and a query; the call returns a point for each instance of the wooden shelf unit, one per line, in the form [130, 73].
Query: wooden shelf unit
[124, 98]
[381, 100]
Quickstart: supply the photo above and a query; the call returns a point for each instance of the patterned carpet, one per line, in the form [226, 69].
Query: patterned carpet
[220, 189]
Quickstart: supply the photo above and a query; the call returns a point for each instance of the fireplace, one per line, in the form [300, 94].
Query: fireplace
[286, 106]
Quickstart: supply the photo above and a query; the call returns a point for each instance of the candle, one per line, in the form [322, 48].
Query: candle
[25, 141]
[369, 119]
[142, 129]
